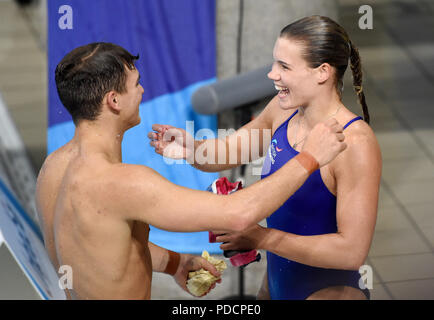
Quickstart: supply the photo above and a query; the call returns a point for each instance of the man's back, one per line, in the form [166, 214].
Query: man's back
[109, 256]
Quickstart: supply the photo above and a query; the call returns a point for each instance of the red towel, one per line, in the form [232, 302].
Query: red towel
[237, 258]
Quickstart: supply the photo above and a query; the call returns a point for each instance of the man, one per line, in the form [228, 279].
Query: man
[95, 211]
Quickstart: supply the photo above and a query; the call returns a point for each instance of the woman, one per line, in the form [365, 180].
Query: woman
[319, 238]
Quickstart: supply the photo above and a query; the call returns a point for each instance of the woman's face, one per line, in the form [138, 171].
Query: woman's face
[295, 81]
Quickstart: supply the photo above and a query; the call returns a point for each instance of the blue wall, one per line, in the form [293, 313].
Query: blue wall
[177, 47]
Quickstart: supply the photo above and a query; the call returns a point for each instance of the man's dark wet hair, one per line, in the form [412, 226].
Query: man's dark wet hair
[87, 73]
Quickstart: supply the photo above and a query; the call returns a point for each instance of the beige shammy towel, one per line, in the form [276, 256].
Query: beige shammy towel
[201, 280]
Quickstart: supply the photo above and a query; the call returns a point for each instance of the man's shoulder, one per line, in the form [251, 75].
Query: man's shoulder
[126, 170]
[54, 160]
[52, 169]
[124, 188]
[124, 174]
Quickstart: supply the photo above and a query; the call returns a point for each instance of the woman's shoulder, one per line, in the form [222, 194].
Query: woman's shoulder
[356, 128]
[362, 145]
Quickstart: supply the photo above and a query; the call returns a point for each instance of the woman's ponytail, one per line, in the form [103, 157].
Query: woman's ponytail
[356, 68]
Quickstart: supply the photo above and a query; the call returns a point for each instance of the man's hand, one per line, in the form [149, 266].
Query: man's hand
[171, 142]
[325, 141]
[245, 240]
[190, 263]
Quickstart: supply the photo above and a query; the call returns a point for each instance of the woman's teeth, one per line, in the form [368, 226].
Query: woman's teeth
[282, 90]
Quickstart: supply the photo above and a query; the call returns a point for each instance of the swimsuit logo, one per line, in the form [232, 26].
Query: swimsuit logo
[272, 150]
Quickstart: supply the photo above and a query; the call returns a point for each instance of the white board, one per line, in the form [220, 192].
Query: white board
[24, 241]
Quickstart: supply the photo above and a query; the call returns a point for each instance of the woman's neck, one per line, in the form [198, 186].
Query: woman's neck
[328, 106]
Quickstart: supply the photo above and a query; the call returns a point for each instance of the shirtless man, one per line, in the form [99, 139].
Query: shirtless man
[95, 210]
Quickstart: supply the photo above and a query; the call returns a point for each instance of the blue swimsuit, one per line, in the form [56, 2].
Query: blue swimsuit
[311, 210]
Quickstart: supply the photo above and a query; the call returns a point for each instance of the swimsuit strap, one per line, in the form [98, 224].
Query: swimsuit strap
[286, 121]
[289, 119]
[292, 115]
[296, 111]
[350, 122]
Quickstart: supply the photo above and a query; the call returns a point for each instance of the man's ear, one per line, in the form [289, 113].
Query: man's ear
[112, 100]
[324, 72]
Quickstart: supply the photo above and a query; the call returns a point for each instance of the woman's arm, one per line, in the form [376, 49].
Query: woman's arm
[263, 292]
[212, 155]
[358, 178]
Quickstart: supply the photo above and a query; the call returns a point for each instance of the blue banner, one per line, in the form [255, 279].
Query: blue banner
[25, 242]
[177, 46]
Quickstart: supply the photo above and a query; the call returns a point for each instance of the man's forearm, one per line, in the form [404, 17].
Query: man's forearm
[262, 198]
[160, 257]
[329, 251]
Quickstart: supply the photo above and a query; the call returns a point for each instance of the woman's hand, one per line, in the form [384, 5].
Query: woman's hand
[171, 142]
[250, 238]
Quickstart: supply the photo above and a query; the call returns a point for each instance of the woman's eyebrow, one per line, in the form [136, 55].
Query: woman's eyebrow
[284, 63]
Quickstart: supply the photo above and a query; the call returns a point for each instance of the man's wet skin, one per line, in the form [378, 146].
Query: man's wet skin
[109, 256]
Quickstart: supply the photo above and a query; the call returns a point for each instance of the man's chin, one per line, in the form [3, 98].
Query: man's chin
[135, 123]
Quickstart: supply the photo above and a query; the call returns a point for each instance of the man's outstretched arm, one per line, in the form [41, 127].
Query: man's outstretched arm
[150, 198]
[139, 193]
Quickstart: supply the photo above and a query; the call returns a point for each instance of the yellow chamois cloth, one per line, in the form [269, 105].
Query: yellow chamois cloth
[200, 281]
